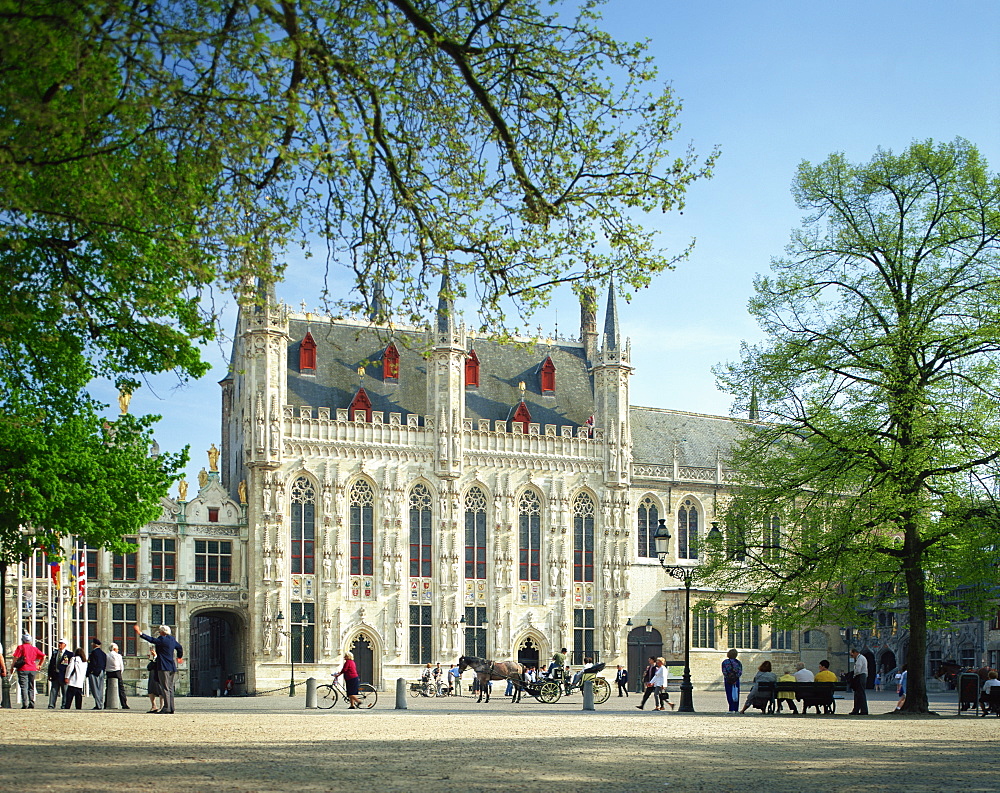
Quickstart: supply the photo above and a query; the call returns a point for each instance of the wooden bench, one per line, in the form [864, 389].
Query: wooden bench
[815, 695]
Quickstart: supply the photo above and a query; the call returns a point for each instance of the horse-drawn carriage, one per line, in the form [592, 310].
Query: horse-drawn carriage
[548, 690]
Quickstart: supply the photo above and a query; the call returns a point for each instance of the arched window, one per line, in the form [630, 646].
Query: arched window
[648, 516]
[420, 532]
[548, 376]
[529, 513]
[522, 416]
[362, 528]
[687, 530]
[475, 534]
[303, 539]
[703, 628]
[360, 403]
[583, 538]
[744, 632]
[472, 369]
[390, 363]
[307, 353]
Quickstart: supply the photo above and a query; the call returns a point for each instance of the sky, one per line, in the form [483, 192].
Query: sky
[772, 84]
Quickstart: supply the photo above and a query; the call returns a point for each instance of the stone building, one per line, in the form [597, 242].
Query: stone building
[413, 495]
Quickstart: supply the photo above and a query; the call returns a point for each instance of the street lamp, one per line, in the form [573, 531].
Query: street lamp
[685, 574]
[302, 625]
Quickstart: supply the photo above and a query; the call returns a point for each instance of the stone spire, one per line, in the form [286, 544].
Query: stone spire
[611, 332]
[446, 307]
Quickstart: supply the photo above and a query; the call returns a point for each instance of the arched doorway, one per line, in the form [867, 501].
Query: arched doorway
[871, 668]
[363, 648]
[528, 652]
[642, 644]
[886, 665]
[214, 652]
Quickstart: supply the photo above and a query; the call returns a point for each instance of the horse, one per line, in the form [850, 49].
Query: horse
[494, 670]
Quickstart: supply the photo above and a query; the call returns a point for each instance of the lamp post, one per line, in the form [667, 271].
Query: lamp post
[685, 574]
[301, 625]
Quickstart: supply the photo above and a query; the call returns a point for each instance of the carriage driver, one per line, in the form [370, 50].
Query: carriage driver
[558, 662]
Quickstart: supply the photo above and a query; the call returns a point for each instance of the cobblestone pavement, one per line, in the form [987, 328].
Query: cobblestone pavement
[452, 744]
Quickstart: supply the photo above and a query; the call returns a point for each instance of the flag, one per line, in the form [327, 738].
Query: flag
[54, 566]
[82, 577]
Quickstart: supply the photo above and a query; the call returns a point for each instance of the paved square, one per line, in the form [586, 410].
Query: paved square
[452, 744]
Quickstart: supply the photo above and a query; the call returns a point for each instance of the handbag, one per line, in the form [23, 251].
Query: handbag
[20, 662]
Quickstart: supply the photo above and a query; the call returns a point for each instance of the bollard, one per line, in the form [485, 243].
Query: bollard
[111, 700]
[588, 694]
[311, 693]
[400, 693]
[5, 700]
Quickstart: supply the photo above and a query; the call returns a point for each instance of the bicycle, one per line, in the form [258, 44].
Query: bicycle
[329, 694]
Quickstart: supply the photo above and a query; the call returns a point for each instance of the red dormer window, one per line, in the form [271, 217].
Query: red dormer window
[472, 369]
[360, 403]
[548, 373]
[390, 363]
[522, 416]
[307, 354]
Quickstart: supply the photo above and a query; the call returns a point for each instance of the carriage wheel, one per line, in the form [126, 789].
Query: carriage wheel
[602, 691]
[367, 695]
[550, 692]
[326, 697]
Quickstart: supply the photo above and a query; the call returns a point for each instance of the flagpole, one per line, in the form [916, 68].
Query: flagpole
[20, 602]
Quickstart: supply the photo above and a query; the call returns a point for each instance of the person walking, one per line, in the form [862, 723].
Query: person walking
[901, 690]
[732, 671]
[859, 683]
[352, 680]
[58, 662]
[621, 679]
[97, 664]
[153, 689]
[169, 653]
[647, 680]
[26, 660]
[116, 664]
[76, 676]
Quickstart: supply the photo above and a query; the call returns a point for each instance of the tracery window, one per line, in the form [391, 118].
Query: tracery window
[362, 522]
[529, 513]
[583, 538]
[744, 633]
[303, 519]
[703, 628]
[475, 534]
[687, 530]
[420, 532]
[648, 517]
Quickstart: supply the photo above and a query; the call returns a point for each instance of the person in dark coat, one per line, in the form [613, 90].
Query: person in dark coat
[622, 680]
[97, 663]
[58, 662]
[169, 653]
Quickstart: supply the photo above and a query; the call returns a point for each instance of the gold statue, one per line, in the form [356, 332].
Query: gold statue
[182, 490]
[202, 478]
[124, 397]
[213, 459]
[243, 491]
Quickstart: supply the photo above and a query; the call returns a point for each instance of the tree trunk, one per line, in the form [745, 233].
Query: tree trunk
[916, 653]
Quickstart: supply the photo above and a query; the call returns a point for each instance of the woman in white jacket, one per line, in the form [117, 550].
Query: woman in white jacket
[659, 682]
[76, 674]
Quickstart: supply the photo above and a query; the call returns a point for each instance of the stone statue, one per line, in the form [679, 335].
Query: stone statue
[386, 568]
[213, 458]
[275, 437]
[400, 637]
[399, 570]
[182, 490]
[442, 446]
[242, 489]
[281, 643]
[326, 565]
[279, 559]
[675, 640]
[606, 570]
[498, 634]
[455, 570]
[267, 637]
[202, 478]
[327, 637]
[267, 564]
[124, 397]
[338, 567]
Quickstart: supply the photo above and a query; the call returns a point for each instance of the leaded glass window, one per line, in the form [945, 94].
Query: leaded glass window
[362, 522]
[529, 510]
[687, 530]
[583, 538]
[420, 532]
[303, 539]
[475, 534]
[648, 516]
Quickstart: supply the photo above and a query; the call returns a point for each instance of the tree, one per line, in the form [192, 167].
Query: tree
[149, 152]
[77, 476]
[879, 395]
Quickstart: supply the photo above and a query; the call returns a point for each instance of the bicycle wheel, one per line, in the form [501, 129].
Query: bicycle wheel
[602, 691]
[550, 692]
[414, 690]
[367, 696]
[326, 697]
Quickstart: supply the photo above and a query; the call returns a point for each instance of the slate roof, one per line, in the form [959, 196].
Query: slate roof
[698, 438]
[341, 348]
